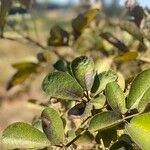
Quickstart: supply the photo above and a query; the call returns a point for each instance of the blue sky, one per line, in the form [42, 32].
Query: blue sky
[142, 2]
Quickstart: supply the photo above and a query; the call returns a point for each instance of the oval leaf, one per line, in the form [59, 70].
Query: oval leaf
[22, 135]
[83, 71]
[128, 56]
[99, 101]
[52, 126]
[102, 79]
[139, 130]
[103, 120]
[62, 85]
[115, 97]
[139, 90]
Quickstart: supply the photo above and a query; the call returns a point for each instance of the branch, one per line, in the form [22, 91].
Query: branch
[77, 137]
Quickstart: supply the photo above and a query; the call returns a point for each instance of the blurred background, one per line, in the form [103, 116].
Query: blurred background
[34, 19]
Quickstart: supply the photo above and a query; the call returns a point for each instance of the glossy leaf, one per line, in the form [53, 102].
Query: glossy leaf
[52, 126]
[103, 121]
[83, 71]
[102, 79]
[127, 56]
[62, 85]
[115, 97]
[22, 135]
[5, 7]
[58, 36]
[139, 130]
[139, 90]
[82, 21]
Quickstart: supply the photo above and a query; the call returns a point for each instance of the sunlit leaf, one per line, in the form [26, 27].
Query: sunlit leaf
[99, 101]
[25, 65]
[58, 36]
[84, 71]
[115, 97]
[52, 126]
[103, 121]
[22, 135]
[139, 92]
[18, 78]
[62, 85]
[127, 56]
[139, 130]
[83, 20]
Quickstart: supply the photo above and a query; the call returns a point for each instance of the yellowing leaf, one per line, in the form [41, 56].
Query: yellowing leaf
[58, 37]
[82, 21]
[127, 56]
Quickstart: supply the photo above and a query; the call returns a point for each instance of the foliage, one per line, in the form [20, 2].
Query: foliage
[93, 97]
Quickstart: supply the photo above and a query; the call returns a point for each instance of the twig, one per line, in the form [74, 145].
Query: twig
[77, 137]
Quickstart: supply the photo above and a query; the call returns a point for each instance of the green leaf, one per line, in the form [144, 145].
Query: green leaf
[58, 36]
[102, 79]
[5, 7]
[108, 136]
[61, 65]
[128, 56]
[115, 97]
[52, 126]
[139, 130]
[103, 120]
[139, 91]
[99, 101]
[144, 101]
[82, 21]
[121, 145]
[62, 85]
[83, 71]
[22, 135]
